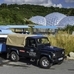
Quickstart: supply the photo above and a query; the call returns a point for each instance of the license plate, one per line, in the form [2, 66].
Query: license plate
[60, 58]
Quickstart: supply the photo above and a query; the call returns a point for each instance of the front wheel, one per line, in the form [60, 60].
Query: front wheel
[14, 56]
[44, 62]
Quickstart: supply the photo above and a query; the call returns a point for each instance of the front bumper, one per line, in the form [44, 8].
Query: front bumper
[58, 59]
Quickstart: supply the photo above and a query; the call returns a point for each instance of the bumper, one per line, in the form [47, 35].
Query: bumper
[59, 59]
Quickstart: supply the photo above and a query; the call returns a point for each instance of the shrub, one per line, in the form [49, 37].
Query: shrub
[64, 41]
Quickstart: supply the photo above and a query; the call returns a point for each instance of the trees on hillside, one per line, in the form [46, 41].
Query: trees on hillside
[16, 14]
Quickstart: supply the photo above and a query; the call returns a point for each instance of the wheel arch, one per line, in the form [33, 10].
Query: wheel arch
[48, 56]
[12, 49]
[15, 50]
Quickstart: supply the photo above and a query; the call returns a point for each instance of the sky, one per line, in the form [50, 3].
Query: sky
[47, 3]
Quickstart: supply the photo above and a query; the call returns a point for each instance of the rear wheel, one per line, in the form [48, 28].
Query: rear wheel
[14, 56]
[44, 62]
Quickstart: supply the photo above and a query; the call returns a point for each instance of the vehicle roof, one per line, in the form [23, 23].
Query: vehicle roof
[37, 36]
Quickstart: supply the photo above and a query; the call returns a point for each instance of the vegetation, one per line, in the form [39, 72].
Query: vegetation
[65, 41]
[69, 29]
[17, 14]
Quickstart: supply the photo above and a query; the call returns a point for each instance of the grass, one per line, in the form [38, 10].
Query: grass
[65, 41]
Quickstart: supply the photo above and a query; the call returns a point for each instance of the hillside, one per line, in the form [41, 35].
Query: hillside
[19, 14]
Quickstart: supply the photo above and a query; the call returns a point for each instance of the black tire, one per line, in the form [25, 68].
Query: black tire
[14, 56]
[45, 63]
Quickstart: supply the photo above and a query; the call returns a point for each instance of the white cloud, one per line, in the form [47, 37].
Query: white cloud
[46, 3]
[27, 1]
[57, 5]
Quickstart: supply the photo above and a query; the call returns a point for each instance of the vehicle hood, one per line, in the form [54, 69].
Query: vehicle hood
[52, 48]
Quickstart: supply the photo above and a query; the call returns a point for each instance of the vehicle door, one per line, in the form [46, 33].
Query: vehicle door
[31, 49]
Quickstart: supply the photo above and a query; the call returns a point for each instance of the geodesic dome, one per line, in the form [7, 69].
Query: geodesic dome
[54, 18]
[69, 20]
[38, 20]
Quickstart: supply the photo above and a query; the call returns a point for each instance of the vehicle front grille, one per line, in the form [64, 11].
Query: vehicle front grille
[59, 53]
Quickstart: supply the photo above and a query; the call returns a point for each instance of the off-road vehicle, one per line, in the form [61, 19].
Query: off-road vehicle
[36, 47]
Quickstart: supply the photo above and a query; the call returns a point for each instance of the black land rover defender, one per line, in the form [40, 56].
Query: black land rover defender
[35, 47]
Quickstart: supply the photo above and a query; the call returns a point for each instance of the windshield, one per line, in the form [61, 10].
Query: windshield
[43, 40]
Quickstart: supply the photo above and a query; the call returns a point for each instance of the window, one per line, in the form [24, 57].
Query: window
[31, 42]
[42, 41]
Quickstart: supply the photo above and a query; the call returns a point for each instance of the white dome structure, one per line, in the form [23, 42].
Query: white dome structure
[54, 18]
[38, 20]
[69, 20]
